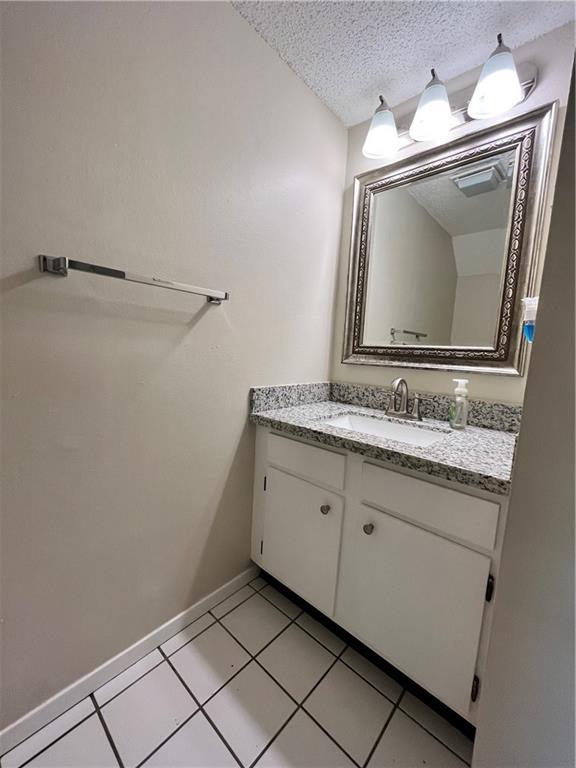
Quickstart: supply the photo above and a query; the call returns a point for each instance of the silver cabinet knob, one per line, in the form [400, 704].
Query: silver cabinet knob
[325, 508]
[368, 528]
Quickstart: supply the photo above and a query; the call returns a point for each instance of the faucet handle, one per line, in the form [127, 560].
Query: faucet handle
[416, 408]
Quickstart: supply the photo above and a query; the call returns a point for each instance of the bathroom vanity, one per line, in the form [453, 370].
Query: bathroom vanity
[397, 542]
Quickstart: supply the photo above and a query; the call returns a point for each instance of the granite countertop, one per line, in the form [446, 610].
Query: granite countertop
[476, 457]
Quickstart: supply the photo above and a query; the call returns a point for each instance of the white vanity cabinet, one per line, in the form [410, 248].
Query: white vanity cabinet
[415, 596]
[300, 542]
[404, 564]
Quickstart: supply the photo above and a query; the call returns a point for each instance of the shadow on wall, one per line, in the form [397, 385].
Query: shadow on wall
[230, 529]
[98, 305]
[18, 279]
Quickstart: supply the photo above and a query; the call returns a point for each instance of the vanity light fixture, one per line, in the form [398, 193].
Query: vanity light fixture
[498, 88]
[433, 119]
[382, 137]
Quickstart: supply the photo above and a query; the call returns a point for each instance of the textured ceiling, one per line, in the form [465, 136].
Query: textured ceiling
[349, 52]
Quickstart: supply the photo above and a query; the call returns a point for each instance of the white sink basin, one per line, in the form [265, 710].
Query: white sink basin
[390, 430]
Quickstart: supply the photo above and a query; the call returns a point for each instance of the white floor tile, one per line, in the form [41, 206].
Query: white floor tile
[406, 745]
[296, 661]
[320, 632]
[195, 745]
[303, 745]
[281, 601]
[350, 710]
[249, 711]
[258, 583]
[209, 661]
[255, 623]
[47, 735]
[372, 673]
[187, 634]
[232, 601]
[124, 679]
[145, 714]
[86, 746]
[436, 724]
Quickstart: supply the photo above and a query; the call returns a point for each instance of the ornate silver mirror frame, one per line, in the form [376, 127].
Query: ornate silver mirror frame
[530, 136]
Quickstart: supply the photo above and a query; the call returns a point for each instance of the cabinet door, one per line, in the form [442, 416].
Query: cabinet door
[301, 541]
[416, 598]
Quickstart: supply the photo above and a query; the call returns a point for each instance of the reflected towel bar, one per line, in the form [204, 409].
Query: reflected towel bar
[419, 334]
[59, 265]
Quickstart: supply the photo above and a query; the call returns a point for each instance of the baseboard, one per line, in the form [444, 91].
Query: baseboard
[28, 724]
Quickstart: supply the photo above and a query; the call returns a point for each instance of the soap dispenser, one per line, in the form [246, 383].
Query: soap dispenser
[459, 407]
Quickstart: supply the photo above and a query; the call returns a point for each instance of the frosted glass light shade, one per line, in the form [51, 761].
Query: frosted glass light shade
[498, 88]
[382, 137]
[433, 118]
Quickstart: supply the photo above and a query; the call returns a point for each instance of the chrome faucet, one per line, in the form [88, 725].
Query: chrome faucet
[400, 390]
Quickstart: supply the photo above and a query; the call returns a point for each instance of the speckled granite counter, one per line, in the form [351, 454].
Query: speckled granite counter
[477, 457]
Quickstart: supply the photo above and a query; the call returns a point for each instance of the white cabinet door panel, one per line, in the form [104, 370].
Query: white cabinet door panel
[416, 598]
[301, 540]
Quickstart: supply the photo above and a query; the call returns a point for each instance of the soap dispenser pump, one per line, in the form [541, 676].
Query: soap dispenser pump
[459, 407]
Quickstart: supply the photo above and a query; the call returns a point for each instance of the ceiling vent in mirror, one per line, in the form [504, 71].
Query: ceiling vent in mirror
[480, 180]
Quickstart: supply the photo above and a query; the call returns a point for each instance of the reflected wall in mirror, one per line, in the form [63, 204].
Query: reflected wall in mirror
[437, 256]
[444, 248]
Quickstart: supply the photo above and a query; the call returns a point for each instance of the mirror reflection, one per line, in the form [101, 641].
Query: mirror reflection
[437, 255]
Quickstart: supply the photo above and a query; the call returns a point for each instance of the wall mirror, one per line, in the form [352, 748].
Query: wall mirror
[444, 247]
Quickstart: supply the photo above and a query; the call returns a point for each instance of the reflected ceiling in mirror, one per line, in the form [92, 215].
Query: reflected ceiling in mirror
[444, 247]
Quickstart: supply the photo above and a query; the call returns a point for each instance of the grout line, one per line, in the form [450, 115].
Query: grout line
[276, 636]
[203, 711]
[258, 589]
[293, 618]
[404, 685]
[137, 680]
[299, 705]
[58, 738]
[273, 739]
[129, 684]
[173, 733]
[435, 736]
[206, 613]
[386, 696]
[379, 737]
[106, 731]
[234, 606]
[47, 724]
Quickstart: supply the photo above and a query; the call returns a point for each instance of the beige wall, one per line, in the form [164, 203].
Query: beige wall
[421, 295]
[165, 138]
[475, 309]
[552, 54]
[526, 715]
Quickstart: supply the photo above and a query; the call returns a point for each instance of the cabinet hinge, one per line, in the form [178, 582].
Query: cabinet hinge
[490, 588]
[265, 480]
[475, 688]
[261, 546]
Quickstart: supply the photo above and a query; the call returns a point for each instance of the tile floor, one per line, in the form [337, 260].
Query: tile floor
[253, 682]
